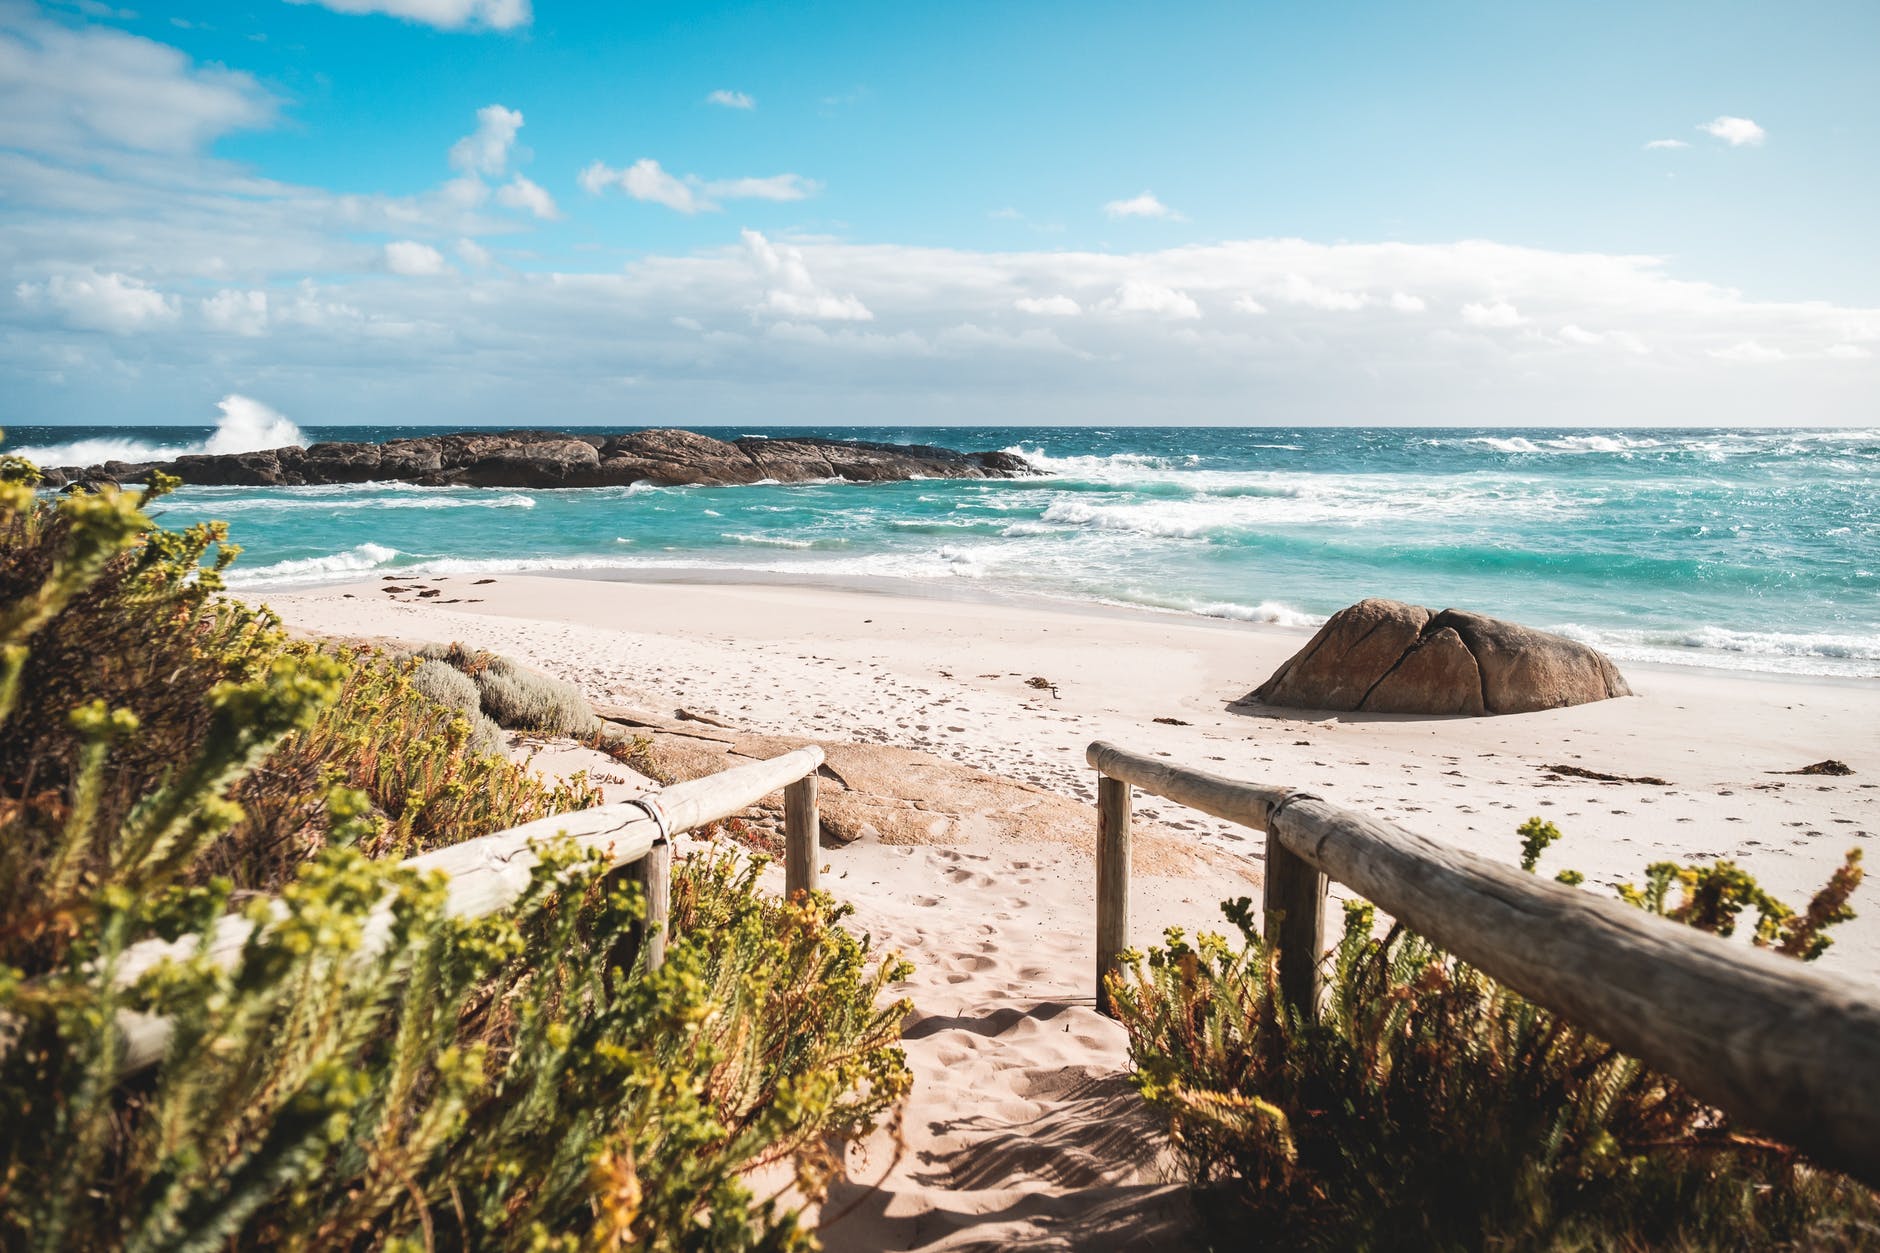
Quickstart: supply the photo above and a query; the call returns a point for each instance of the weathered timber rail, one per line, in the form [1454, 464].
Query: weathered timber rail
[492, 872]
[1790, 1050]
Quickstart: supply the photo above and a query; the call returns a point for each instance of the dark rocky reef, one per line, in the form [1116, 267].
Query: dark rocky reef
[536, 459]
[1383, 656]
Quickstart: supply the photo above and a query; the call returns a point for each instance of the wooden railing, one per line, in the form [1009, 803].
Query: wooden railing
[492, 872]
[1790, 1050]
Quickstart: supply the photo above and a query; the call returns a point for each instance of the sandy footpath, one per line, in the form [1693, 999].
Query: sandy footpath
[1020, 1132]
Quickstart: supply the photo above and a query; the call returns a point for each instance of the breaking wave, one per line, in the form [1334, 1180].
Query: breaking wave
[246, 425]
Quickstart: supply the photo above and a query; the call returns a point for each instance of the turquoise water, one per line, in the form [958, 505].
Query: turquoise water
[1753, 550]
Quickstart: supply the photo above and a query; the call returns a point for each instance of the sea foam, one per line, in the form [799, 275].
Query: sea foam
[246, 425]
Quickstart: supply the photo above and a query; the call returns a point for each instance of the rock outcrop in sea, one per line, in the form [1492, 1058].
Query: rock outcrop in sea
[544, 459]
[1384, 656]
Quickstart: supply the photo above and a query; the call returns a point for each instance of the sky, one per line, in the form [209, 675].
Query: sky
[543, 213]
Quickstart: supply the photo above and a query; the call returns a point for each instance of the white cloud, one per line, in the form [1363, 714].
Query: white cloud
[646, 180]
[1048, 306]
[596, 177]
[1138, 296]
[237, 312]
[1665, 143]
[444, 14]
[1142, 206]
[520, 193]
[1247, 304]
[92, 301]
[486, 149]
[1625, 341]
[1751, 351]
[731, 99]
[792, 292]
[1493, 314]
[1404, 302]
[842, 329]
[71, 92]
[775, 187]
[1299, 290]
[474, 253]
[408, 257]
[1735, 131]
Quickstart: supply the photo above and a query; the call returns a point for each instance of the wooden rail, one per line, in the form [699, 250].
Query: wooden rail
[492, 872]
[1790, 1050]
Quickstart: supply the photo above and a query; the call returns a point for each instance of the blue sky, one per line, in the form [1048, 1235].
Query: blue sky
[487, 210]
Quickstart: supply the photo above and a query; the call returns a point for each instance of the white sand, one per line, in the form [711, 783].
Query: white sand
[1019, 1133]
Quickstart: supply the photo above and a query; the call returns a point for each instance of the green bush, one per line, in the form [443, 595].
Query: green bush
[516, 1081]
[1431, 1108]
[519, 698]
[453, 689]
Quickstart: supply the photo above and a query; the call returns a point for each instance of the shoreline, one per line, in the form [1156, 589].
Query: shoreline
[949, 677]
[968, 591]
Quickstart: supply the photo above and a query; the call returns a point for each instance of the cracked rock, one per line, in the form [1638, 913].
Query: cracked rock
[1384, 656]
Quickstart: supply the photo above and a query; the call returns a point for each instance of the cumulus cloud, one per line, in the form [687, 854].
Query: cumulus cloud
[759, 325]
[486, 149]
[1625, 341]
[1751, 351]
[1141, 206]
[71, 92]
[647, 180]
[444, 14]
[1735, 131]
[237, 312]
[520, 193]
[1299, 290]
[1048, 306]
[1139, 296]
[1247, 304]
[1492, 314]
[413, 259]
[1404, 302]
[731, 99]
[88, 300]
[790, 289]
[1665, 143]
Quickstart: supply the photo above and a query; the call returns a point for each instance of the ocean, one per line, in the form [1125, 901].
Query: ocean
[1743, 549]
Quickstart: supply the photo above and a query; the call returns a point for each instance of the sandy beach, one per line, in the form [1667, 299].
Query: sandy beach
[1020, 1131]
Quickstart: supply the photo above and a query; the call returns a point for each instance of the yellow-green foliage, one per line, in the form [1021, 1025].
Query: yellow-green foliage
[510, 1082]
[1431, 1108]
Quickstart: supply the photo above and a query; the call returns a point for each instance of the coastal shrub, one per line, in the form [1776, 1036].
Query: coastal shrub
[366, 1070]
[454, 689]
[519, 698]
[1430, 1107]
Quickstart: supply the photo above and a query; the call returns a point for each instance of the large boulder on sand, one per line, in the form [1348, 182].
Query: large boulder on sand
[1383, 656]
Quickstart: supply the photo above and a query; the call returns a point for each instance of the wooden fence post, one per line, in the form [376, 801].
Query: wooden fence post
[654, 871]
[802, 832]
[1294, 923]
[1113, 803]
